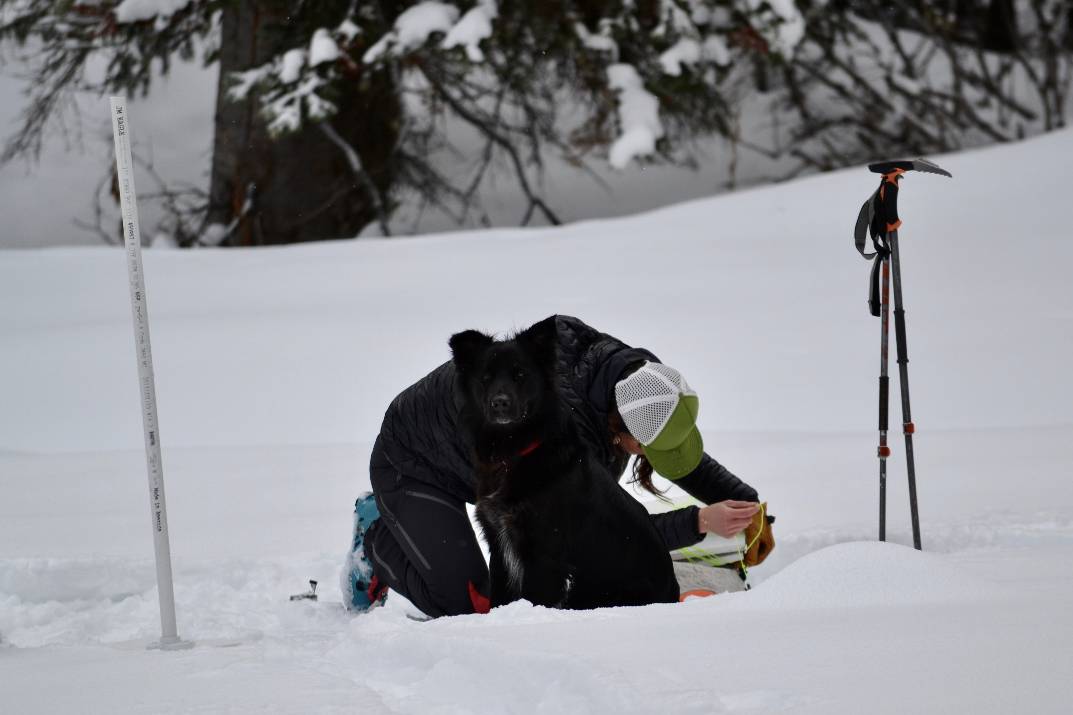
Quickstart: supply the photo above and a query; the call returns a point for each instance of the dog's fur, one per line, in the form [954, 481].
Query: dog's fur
[560, 530]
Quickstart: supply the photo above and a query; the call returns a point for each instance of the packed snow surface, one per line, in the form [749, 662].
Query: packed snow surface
[274, 367]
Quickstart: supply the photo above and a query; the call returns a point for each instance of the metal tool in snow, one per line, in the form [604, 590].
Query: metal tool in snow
[879, 220]
[169, 638]
[310, 595]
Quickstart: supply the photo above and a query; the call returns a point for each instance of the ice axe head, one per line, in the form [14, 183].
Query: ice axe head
[885, 199]
[904, 165]
[879, 214]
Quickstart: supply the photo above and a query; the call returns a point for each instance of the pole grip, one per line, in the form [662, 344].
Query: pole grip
[899, 331]
[887, 211]
[884, 392]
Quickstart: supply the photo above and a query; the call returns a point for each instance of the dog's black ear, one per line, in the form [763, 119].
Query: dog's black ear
[541, 339]
[466, 346]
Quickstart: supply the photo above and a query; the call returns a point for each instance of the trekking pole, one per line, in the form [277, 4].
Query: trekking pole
[884, 397]
[879, 219]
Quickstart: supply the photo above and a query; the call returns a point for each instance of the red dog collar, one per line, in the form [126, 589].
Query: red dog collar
[530, 449]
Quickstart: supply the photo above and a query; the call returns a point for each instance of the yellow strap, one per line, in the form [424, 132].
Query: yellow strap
[694, 555]
[759, 531]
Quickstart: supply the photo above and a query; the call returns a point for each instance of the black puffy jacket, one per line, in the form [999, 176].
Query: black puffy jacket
[421, 438]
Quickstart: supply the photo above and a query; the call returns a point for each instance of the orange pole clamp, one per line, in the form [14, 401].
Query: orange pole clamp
[909, 428]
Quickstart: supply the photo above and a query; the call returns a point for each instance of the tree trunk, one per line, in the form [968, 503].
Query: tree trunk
[1069, 30]
[1001, 32]
[301, 185]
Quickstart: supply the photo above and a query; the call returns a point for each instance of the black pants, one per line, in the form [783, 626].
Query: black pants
[423, 545]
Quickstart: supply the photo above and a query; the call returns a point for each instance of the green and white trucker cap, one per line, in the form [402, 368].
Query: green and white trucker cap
[660, 411]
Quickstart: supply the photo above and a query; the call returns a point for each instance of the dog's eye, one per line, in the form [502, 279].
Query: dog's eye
[486, 378]
[519, 375]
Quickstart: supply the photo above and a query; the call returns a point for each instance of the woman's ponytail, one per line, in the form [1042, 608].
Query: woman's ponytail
[642, 468]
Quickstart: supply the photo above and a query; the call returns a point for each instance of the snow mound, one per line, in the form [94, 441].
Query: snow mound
[864, 574]
[63, 580]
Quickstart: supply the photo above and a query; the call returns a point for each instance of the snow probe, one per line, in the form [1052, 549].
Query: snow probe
[879, 219]
[169, 638]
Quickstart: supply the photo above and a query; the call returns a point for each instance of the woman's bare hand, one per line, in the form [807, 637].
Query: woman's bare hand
[726, 518]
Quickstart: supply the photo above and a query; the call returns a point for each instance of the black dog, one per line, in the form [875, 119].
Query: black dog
[560, 530]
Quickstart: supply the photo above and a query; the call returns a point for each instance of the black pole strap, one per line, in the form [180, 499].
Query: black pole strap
[867, 220]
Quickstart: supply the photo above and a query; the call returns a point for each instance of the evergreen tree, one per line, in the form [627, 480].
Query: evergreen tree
[330, 113]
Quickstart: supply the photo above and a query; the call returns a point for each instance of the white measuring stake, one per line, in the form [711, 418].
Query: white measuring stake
[169, 638]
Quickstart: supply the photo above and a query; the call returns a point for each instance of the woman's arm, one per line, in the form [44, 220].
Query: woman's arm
[678, 528]
[711, 482]
[726, 518]
[687, 526]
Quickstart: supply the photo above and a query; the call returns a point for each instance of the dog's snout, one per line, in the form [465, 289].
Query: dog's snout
[501, 404]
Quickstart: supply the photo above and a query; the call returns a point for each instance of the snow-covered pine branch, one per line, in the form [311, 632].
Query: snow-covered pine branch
[290, 88]
[687, 41]
[824, 84]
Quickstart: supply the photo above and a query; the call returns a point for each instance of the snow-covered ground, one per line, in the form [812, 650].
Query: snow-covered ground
[274, 368]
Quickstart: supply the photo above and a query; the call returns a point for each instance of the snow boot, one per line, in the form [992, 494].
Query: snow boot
[362, 590]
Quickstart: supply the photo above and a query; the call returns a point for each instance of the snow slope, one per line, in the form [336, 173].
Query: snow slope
[274, 367]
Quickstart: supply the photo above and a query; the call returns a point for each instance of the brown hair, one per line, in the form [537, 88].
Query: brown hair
[642, 468]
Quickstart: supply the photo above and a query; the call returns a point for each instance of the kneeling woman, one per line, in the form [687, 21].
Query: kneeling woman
[413, 535]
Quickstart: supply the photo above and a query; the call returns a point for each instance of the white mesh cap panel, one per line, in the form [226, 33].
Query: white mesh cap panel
[668, 372]
[647, 398]
[646, 421]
